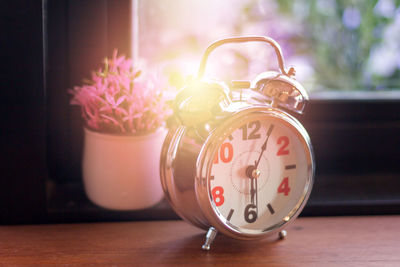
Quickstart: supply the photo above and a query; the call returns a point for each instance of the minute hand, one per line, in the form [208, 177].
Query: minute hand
[264, 146]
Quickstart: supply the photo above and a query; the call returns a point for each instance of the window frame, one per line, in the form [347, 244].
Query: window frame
[356, 140]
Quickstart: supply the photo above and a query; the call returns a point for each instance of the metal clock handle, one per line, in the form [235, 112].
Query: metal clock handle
[244, 39]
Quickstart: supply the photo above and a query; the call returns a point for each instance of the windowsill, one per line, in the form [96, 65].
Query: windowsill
[318, 241]
[68, 203]
[334, 194]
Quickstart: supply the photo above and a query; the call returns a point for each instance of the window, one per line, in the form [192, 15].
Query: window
[347, 56]
[334, 45]
[351, 47]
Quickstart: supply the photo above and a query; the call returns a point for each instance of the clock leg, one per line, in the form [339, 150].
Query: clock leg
[210, 236]
[282, 234]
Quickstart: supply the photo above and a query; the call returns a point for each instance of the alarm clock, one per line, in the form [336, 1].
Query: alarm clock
[235, 160]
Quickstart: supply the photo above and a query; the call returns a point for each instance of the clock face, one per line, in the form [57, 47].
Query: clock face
[260, 174]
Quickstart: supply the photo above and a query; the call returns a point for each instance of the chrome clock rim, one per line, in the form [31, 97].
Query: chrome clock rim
[204, 164]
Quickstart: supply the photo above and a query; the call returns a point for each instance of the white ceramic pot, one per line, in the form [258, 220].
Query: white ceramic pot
[122, 172]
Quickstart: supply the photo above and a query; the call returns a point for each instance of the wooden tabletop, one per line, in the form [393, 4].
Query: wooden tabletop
[312, 241]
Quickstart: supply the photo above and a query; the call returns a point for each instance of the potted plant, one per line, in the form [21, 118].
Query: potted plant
[124, 112]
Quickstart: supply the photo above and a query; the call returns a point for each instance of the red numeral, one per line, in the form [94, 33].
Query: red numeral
[225, 153]
[218, 195]
[226, 147]
[284, 186]
[285, 142]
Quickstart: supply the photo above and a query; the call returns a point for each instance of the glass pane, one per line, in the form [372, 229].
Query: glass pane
[334, 45]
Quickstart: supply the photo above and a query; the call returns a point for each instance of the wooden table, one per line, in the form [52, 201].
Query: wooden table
[318, 241]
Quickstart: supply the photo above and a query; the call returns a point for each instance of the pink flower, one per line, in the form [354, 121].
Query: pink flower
[120, 99]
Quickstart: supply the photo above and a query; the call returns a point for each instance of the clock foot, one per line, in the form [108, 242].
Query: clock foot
[210, 236]
[282, 234]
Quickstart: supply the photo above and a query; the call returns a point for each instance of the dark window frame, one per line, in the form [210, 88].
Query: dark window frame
[357, 147]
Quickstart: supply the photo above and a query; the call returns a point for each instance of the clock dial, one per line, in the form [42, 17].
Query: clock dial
[260, 174]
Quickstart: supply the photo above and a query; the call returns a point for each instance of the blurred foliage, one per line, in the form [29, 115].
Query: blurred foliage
[340, 38]
[334, 44]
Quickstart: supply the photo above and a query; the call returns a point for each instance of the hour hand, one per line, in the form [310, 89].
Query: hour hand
[249, 171]
[253, 173]
[252, 190]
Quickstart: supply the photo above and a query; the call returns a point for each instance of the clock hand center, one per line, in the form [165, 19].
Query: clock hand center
[252, 172]
[255, 173]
